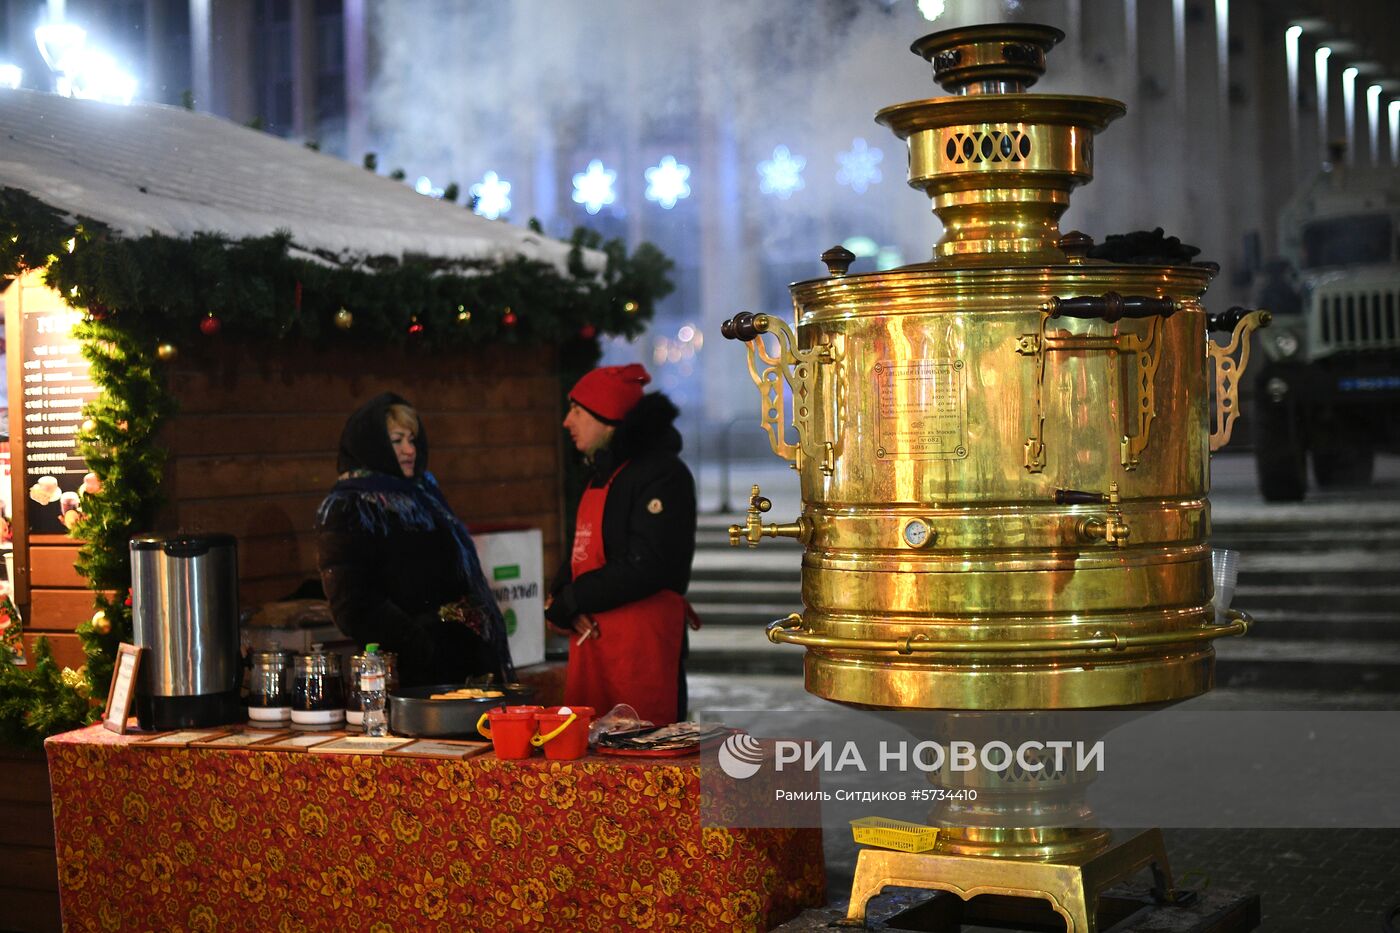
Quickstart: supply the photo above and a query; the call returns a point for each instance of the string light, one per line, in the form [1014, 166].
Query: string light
[667, 182]
[492, 196]
[782, 174]
[595, 187]
[860, 166]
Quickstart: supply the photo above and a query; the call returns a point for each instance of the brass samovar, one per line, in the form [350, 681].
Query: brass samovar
[1004, 451]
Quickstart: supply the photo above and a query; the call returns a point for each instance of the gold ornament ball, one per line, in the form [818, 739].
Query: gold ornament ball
[344, 319]
[89, 425]
[100, 624]
[630, 307]
[166, 352]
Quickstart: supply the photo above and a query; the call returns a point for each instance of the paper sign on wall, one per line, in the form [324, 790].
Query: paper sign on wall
[513, 562]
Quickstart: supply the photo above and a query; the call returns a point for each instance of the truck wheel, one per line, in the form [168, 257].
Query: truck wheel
[1280, 457]
[1344, 465]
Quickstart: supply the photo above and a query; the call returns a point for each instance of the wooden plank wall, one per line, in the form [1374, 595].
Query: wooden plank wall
[252, 449]
[28, 865]
[59, 599]
[253, 446]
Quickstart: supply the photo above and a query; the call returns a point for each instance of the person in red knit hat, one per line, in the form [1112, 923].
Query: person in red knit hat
[620, 593]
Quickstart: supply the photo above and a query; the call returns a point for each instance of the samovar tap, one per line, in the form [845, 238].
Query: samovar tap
[753, 530]
[1111, 529]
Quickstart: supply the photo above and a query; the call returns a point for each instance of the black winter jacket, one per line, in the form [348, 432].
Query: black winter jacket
[388, 588]
[387, 584]
[648, 519]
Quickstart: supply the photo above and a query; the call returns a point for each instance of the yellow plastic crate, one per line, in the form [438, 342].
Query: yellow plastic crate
[894, 834]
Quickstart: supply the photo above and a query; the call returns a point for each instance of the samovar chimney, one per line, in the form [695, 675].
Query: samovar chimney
[998, 163]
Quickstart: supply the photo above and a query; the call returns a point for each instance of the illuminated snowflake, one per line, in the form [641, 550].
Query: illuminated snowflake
[860, 166]
[424, 185]
[667, 182]
[594, 188]
[492, 196]
[782, 174]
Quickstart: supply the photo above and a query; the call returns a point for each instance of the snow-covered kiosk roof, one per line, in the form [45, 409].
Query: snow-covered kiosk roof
[145, 168]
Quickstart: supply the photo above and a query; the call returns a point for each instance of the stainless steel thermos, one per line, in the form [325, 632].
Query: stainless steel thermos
[184, 607]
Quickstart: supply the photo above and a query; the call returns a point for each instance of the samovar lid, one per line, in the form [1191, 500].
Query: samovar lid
[1001, 58]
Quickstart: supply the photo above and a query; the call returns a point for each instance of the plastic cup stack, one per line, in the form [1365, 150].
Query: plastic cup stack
[1225, 568]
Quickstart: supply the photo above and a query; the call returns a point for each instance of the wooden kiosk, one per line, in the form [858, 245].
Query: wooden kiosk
[271, 290]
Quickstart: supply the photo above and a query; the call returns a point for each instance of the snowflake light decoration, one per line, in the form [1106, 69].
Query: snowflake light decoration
[492, 196]
[667, 182]
[860, 166]
[424, 185]
[782, 174]
[594, 188]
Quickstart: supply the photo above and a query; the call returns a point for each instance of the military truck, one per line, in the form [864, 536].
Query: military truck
[1329, 389]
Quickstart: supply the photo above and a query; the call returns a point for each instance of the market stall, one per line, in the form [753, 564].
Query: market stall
[192, 308]
[242, 839]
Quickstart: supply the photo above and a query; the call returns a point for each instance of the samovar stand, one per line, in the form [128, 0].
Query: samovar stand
[1071, 884]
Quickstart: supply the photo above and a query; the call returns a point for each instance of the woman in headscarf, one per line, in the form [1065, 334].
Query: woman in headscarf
[397, 565]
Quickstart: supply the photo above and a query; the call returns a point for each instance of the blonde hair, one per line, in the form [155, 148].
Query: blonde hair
[402, 416]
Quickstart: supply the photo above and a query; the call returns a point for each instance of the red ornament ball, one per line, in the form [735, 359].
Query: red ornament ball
[509, 319]
[588, 332]
[415, 328]
[210, 326]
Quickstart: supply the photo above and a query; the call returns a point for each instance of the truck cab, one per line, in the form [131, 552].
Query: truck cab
[1329, 391]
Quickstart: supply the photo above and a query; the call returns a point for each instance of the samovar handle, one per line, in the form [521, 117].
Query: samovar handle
[1240, 322]
[1111, 306]
[1139, 349]
[798, 369]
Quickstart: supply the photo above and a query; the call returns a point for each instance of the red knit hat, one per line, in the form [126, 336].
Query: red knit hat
[610, 392]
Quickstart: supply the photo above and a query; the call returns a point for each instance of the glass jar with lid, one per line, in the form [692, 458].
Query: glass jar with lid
[270, 685]
[318, 691]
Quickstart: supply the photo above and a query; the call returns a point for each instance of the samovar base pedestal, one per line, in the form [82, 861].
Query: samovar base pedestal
[1071, 885]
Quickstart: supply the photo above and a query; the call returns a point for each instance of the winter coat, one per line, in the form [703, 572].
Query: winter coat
[392, 554]
[648, 520]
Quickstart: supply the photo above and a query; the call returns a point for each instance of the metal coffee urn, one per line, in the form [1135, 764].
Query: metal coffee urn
[1004, 455]
[184, 608]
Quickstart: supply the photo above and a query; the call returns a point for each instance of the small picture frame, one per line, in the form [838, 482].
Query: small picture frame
[123, 690]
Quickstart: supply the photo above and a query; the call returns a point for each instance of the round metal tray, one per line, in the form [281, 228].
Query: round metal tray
[412, 712]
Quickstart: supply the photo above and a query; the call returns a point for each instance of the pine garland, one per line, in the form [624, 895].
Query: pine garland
[156, 291]
[118, 441]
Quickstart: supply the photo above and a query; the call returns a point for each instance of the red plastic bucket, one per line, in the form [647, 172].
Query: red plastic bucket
[563, 735]
[510, 729]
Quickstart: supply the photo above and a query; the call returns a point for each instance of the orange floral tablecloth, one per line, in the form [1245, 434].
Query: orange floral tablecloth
[226, 839]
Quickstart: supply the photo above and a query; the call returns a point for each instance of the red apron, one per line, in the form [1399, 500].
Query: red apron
[635, 657]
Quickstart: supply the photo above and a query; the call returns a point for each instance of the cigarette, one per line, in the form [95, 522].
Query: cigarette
[591, 633]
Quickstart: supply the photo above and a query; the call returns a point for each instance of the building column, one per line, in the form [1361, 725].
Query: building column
[201, 57]
[304, 69]
[356, 79]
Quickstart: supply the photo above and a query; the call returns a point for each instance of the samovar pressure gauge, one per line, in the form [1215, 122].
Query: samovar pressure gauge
[917, 533]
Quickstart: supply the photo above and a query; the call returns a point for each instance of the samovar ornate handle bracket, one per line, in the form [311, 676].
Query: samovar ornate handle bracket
[1239, 323]
[796, 367]
[1109, 307]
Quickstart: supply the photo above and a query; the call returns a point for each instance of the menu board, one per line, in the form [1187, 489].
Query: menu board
[56, 385]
